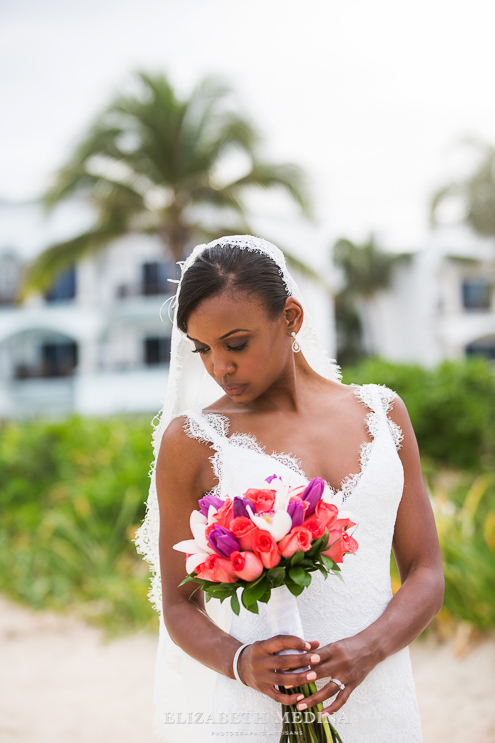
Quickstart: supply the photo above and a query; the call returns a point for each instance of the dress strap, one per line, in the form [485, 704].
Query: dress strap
[380, 399]
[209, 428]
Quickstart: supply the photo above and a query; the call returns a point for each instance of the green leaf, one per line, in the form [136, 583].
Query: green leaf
[296, 557]
[265, 598]
[276, 576]
[234, 603]
[253, 608]
[322, 570]
[319, 545]
[252, 594]
[188, 579]
[300, 576]
[294, 588]
[327, 562]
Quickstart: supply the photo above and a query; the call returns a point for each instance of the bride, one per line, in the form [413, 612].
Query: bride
[251, 393]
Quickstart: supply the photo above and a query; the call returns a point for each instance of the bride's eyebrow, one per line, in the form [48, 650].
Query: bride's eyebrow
[231, 332]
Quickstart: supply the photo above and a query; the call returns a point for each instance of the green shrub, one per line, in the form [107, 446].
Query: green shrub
[72, 494]
[452, 407]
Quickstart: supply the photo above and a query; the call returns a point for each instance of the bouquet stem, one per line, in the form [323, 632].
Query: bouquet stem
[297, 726]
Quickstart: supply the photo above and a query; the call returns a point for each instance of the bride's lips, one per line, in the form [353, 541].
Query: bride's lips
[234, 389]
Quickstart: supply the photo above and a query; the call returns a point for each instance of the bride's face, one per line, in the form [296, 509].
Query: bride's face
[242, 348]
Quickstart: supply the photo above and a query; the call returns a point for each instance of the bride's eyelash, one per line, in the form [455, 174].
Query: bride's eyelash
[231, 348]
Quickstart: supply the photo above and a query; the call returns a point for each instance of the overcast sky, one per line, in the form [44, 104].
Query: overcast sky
[369, 96]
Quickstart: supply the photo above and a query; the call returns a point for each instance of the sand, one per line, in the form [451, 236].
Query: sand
[61, 683]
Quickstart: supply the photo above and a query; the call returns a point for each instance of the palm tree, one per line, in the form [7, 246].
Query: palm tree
[476, 192]
[149, 164]
[368, 270]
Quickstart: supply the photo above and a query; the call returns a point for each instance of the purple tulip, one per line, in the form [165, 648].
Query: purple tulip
[222, 541]
[312, 493]
[240, 507]
[207, 501]
[295, 509]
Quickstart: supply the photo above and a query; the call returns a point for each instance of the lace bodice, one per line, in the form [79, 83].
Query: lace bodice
[384, 706]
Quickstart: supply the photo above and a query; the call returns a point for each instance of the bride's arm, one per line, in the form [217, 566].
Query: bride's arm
[420, 598]
[183, 475]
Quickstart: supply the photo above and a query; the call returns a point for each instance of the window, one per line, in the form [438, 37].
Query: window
[476, 294]
[157, 350]
[64, 288]
[482, 347]
[58, 359]
[154, 277]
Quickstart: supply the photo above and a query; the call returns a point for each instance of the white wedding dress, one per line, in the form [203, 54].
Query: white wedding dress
[383, 707]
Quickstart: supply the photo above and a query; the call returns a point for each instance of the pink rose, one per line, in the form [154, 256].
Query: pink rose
[343, 524]
[243, 530]
[266, 548]
[315, 527]
[217, 569]
[263, 499]
[341, 543]
[246, 565]
[299, 538]
[326, 513]
[225, 513]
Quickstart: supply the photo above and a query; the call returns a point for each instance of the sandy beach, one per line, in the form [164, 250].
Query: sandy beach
[60, 682]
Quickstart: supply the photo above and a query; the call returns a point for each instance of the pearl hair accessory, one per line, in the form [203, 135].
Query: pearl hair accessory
[295, 345]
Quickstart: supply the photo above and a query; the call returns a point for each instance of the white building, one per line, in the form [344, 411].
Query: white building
[94, 344]
[441, 303]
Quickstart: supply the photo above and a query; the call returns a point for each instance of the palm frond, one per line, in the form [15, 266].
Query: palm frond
[287, 176]
[55, 259]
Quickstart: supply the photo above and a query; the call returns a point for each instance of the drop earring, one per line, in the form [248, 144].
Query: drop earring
[295, 345]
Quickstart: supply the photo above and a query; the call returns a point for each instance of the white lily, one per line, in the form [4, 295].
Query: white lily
[200, 538]
[190, 546]
[276, 523]
[196, 518]
[282, 495]
[193, 561]
[211, 513]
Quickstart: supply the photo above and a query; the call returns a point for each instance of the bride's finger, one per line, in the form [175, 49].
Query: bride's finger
[286, 642]
[328, 691]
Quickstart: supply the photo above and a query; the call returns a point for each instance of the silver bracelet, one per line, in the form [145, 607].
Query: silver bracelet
[236, 661]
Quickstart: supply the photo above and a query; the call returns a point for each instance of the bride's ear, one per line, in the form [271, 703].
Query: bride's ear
[294, 315]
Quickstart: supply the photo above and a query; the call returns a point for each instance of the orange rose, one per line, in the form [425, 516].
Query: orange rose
[340, 544]
[217, 569]
[266, 548]
[326, 513]
[299, 538]
[263, 499]
[243, 530]
[246, 565]
[343, 524]
[315, 526]
[225, 513]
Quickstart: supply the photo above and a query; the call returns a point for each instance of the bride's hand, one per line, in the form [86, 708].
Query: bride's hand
[348, 661]
[260, 667]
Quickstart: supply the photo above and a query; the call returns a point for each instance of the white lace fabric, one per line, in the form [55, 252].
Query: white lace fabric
[384, 706]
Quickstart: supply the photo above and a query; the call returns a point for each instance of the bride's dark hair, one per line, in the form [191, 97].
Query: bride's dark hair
[228, 267]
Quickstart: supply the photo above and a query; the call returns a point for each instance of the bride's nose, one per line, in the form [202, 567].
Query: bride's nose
[222, 365]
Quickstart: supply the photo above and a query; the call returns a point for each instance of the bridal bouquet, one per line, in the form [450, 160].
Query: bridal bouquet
[269, 539]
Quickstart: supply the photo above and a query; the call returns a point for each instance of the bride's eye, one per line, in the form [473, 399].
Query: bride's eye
[200, 350]
[238, 348]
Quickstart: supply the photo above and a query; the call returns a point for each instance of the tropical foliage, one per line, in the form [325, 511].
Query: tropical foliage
[367, 270]
[153, 163]
[73, 493]
[475, 193]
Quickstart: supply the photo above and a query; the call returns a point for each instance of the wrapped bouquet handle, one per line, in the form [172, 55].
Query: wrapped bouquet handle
[284, 619]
